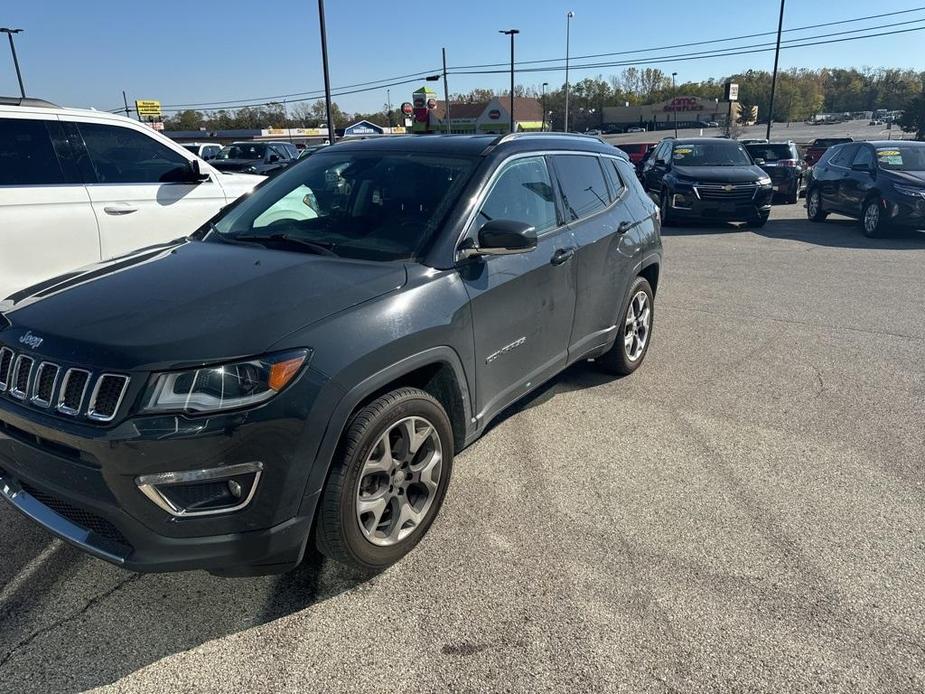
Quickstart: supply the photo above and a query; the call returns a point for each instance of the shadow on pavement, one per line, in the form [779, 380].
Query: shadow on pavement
[70, 623]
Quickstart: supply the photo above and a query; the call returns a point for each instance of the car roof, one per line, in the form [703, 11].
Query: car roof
[475, 145]
[697, 140]
[895, 143]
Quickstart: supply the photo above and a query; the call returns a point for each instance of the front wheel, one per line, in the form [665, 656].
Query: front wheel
[634, 331]
[872, 219]
[387, 481]
[667, 218]
[814, 206]
[758, 221]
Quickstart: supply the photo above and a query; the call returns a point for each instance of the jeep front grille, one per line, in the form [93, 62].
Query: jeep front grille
[69, 391]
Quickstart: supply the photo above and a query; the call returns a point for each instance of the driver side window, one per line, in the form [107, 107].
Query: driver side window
[521, 193]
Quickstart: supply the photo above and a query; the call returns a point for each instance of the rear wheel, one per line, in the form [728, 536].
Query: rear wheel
[388, 480]
[872, 219]
[634, 331]
[814, 206]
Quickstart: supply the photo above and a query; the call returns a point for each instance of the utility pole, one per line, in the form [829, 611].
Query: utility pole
[674, 106]
[388, 101]
[125, 101]
[446, 95]
[545, 84]
[332, 136]
[511, 33]
[9, 34]
[568, 28]
[780, 26]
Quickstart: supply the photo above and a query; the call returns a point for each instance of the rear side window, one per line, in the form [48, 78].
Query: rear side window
[582, 185]
[27, 156]
[613, 177]
[844, 155]
[124, 155]
[865, 157]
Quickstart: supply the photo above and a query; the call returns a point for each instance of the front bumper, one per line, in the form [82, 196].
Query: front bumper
[79, 482]
[685, 204]
[906, 211]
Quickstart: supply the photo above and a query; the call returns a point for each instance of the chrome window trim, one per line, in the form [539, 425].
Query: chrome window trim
[147, 485]
[91, 412]
[60, 407]
[4, 384]
[35, 399]
[14, 391]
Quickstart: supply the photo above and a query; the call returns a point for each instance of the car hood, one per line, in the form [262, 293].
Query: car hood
[721, 174]
[909, 178]
[235, 164]
[188, 302]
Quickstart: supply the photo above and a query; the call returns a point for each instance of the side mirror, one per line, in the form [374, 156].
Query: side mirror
[501, 237]
[193, 173]
[759, 161]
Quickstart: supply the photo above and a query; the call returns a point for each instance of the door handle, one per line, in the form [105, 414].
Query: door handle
[119, 209]
[624, 227]
[562, 255]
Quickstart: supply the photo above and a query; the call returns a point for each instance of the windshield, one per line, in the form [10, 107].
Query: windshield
[771, 153]
[710, 154]
[242, 150]
[901, 157]
[364, 205]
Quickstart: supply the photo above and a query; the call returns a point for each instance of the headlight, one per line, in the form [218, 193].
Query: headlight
[250, 169]
[909, 190]
[764, 181]
[225, 387]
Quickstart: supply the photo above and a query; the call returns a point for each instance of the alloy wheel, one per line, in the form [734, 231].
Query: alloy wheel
[812, 206]
[637, 325]
[871, 218]
[399, 481]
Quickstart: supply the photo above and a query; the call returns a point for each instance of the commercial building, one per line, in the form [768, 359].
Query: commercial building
[486, 117]
[690, 111]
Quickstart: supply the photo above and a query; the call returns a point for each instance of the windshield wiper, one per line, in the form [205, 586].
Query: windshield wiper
[315, 247]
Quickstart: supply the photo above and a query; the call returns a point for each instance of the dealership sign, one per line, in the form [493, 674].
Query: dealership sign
[148, 109]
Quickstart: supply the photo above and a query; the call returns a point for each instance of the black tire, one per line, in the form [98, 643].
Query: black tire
[665, 209]
[878, 229]
[617, 359]
[759, 221]
[815, 214]
[338, 532]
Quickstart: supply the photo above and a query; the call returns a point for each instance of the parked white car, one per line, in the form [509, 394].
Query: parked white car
[78, 187]
[203, 150]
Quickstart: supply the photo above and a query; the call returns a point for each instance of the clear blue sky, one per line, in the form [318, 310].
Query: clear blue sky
[84, 54]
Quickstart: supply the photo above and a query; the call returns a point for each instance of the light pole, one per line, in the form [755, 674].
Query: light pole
[780, 26]
[674, 107]
[388, 103]
[568, 30]
[332, 136]
[9, 33]
[511, 33]
[545, 84]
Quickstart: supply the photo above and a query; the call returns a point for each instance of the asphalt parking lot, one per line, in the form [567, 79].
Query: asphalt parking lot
[745, 513]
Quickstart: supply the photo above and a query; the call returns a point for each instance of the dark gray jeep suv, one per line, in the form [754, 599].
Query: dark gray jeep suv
[306, 365]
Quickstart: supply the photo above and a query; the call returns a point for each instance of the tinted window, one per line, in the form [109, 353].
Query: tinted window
[354, 204]
[123, 155]
[843, 155]
[27, 156]
[864, 156]
[522, 193]
[581, 183]
[613, 177]
[243, 150]
[717, 153]
[772, 152]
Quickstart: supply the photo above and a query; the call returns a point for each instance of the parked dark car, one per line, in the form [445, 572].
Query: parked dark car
[255, 157]
[710, 178]
[882, 184]
[819, 146]
[781, 161]
[308, 363]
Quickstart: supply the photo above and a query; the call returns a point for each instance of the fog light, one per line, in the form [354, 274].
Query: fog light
[681, 201]
[203, 492]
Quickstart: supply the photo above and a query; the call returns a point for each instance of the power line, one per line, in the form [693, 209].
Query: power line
[699, 43]
[720, 53]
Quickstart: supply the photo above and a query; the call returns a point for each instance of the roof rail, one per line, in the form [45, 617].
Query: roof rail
[25, 101]
[518, 136]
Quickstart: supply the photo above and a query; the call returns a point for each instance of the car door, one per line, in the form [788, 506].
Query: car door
[140, 192]
[522, 304]
[47, 225]
[597, 209]
[858, 180]
[838, 170]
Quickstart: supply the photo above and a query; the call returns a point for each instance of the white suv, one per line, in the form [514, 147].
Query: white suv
[78, 187]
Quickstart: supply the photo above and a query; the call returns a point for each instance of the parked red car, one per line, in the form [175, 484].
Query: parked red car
[637, 151]
[818, 147]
